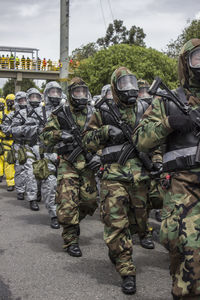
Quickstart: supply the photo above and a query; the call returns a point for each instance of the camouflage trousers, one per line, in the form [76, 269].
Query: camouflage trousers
[121, 205]
[76, 197]
[180, 233]
[155, 195]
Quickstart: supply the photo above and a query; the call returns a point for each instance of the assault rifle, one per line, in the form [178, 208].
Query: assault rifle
[42, 122]
[74, 130]
[153, 90]
[125, 128]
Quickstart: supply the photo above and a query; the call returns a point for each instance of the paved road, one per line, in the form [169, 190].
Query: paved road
[34, 267]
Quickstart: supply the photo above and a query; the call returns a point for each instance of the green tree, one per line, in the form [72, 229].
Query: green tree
[9, 86]
[190, 32]
[145, 63]
[117, 33]
[84, 51]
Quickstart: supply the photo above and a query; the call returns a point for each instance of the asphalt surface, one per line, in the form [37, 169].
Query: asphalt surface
[33, 265]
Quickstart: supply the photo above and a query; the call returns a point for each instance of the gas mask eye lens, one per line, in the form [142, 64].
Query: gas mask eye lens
[194, 59]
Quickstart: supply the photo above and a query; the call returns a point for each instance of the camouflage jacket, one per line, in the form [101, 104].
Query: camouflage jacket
[52, 131]
[97, 138]
[154, 129]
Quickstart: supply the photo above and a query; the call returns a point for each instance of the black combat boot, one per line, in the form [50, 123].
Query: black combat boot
[54, 223]
[20, 196]
[34, 205]
[1, 178]
[10, 188]
[74, 250]
[147, 242]
[129, 285]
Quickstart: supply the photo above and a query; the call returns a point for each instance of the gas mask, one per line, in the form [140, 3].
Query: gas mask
[34, 100]
[55, 96]
[10, 103]
[127, 89]
[22, 103]
[79, 95]
[194, 62]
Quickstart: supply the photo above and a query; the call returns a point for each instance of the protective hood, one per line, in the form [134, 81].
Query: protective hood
[106, 92]
[56, 100]
[186, 75]
[143, 86]
[36, 102]
[19, 95]
[78, 103]
[118, 73]
[10, 98]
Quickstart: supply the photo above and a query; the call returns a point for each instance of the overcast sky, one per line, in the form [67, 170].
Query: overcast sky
[35, 23]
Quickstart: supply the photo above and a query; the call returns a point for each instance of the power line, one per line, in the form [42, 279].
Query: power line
[103, 14]
[109, 3]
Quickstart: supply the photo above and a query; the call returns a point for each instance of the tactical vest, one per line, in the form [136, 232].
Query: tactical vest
[181, 148]
[111, 153]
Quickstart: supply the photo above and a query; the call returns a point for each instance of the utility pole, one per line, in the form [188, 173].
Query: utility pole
[64, 43]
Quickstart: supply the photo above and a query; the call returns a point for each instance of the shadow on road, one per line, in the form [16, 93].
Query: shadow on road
[53, 241]
[95, 268]
[35, 218]
[5, 292]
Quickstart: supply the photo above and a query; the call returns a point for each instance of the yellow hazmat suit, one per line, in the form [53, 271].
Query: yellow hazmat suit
[6, 143]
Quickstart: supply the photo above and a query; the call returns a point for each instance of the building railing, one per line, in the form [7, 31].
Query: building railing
[29, 64]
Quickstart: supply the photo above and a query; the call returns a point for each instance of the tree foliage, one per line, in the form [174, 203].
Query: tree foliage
[145, 63]
[117, 33]
[9, 86]
[84, 51]
[190, 32]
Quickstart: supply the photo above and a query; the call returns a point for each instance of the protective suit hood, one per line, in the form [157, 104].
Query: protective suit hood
[114, 78]
[50, 85]
[29, 93]
[18, 96]
[185, 74]
[78, 104]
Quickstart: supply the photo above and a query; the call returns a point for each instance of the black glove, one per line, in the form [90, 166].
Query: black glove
[94, 163]
[66, 137]
[157, 168]
[182, 123]
[116, 135]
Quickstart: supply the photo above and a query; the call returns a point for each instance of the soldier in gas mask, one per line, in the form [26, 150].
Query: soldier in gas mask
[124, 179]
[76, 190]
[165, 122]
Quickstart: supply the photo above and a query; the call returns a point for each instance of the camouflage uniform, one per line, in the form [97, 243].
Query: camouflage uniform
[180, 229]
[155, 200]
[76, 194]
[123, 188]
